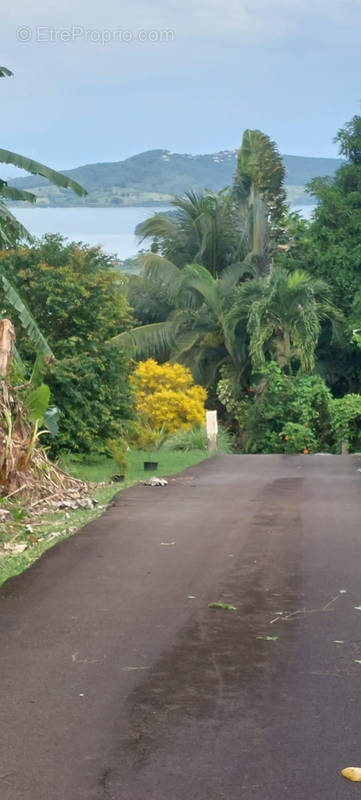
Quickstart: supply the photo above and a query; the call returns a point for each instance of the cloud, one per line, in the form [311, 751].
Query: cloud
[213, 19]
[209, 33]
[290, 67]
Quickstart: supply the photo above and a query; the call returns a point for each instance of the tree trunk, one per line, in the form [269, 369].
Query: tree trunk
[7, 341]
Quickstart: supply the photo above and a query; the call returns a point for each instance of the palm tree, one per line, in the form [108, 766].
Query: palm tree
[261, 167]
[213, 230]
[11, 230]
[257, 244]
[202, 331]
[202, 229]
[284, 314]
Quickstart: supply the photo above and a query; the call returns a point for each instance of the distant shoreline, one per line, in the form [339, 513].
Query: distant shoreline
[151, 204]
[304, 201]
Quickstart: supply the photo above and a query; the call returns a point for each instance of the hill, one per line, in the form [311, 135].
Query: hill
[157, 175]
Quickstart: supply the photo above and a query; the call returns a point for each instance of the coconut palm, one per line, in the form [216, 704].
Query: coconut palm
[284, 314]
[202, 331]
[201, 229]
[213, 230]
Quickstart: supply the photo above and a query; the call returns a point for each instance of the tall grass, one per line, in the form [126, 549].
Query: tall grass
[196, 439]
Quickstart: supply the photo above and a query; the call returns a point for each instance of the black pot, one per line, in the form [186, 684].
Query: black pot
[150, 465]
[118, 478]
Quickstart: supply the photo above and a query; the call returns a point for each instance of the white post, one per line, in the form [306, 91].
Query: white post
[212, 429]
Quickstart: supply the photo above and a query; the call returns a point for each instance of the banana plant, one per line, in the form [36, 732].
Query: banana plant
[11, 229]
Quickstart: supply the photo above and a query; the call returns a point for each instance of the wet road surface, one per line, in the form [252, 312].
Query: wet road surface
[119, 683]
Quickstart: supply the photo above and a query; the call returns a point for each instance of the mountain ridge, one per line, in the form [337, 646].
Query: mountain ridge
[156, 176]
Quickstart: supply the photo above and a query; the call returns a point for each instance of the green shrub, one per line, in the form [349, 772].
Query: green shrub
[118, 450]
[196, 439]
[71, 290]
[149, 439]
[298, 438]
[284, 414]
[94, 397]
[80, 302]
[346, 421]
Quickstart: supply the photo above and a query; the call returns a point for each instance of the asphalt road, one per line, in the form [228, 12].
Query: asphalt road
[119, 683]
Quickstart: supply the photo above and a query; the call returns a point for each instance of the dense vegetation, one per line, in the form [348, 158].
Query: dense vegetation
[81, 303]
[261, 305]
[239, 305]
[157, 175]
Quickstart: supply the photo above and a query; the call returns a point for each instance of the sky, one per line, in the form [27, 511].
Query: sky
[105, 82]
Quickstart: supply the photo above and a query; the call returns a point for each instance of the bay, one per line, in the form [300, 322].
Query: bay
[111, 228]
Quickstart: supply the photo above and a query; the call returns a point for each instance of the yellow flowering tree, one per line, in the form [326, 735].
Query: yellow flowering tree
[166, 396]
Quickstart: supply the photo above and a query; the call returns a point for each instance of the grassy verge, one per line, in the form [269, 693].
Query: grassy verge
[102, 468]
[53, 527]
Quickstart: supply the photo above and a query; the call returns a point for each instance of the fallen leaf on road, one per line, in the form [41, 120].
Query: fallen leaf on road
[77, 660]
[268, 638]
[131, 669]
[223, 606]
[352, 773]
[280, 614]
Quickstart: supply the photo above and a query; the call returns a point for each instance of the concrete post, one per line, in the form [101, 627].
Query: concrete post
[212, 429]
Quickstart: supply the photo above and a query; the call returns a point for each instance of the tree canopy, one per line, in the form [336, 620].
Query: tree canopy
[81, 301]
[261, 166]
[259, 306]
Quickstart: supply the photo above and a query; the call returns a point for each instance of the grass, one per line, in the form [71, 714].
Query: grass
[101, 468]
[95, 470]
[63, 523]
